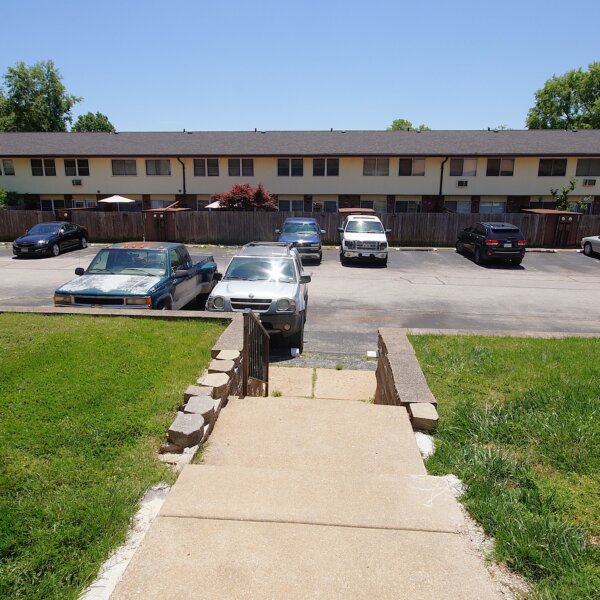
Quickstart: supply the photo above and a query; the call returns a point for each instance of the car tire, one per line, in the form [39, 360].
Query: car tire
[384, 262]
[460, 248]
[83, 243]
[587, 249]
[516, 261]
[201, 301]
[343, 259]
[54, 249]
[166, 305]
[477, 258]
[297, 340]
[320, 258]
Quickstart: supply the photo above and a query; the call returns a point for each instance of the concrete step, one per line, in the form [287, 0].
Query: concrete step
[189, 558]
[411, 502]
[315, 434]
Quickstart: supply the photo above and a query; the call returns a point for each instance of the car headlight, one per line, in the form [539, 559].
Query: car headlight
[286, 305]
[40, 242]
[146, 300]
[350, 245]
[216, 302]
[383, 245]
[62, 299]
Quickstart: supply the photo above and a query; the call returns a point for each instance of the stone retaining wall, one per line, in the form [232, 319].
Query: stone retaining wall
[400, 380]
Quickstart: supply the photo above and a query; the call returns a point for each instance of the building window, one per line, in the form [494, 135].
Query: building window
[326, 166]
[290, 166]
[500, 167]
[291, 205]
[411, 166]
[84, 203]
[43, 167]
[377, 204]
[376, 166]
[463, 167]
[124, 167]
[458, 206]
[585, 167]
[325, 206]
[492, 207]
[206, 166]
[241, 166]
[158, 166]
[407, 206]
[552, 167]
[9, 168]
[52, 204]
[77, 167]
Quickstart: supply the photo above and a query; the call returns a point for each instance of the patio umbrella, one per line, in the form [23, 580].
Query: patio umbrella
[215, 204]
[117, 200]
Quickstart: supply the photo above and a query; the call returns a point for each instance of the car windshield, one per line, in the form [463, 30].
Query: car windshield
[300, 228]
[253, 268]
[364, 226]
[43, 229]
[510, 230]
[129, 262]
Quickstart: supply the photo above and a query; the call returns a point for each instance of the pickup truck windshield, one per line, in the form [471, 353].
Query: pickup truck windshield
[364, 227]
[300, 228]
[261, 269]
[129, 262]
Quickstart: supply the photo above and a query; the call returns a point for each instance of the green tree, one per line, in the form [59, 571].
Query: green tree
[3, 198]
[35, 99]
[567, 101]
[561, 197]
[93, 122]
[404, 125]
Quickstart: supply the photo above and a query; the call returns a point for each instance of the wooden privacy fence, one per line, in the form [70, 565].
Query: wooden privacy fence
[235, 228]
[255, 375]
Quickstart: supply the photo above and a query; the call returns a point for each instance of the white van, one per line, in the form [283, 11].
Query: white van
[363, 237]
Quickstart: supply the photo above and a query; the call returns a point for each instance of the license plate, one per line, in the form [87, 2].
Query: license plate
[24, 249]
[508, 245]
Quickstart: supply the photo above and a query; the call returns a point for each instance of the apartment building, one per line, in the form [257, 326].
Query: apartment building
[312, 171]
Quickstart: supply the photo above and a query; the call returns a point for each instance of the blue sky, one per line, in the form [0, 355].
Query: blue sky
[237, 65]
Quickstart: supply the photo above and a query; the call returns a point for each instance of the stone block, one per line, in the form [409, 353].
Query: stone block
[186, 430]
[423, 416]
[201, 405]
[415, 392]
[205, 433]
[406, 369]
[193, 390]
[217, 382]
[169, 448]
[221, 366]
[229, 355]
[218, 404]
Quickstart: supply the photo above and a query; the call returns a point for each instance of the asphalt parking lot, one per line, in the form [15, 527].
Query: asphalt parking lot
[548, 292]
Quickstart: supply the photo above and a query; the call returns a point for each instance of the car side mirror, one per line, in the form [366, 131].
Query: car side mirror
[278, 231]
[61, 230]
[340, 229]
[79, 271]
[218, 276]
[323, 232]
[305, 278]
[180, 273]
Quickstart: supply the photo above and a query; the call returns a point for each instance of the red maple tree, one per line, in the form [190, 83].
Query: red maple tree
[242, 196]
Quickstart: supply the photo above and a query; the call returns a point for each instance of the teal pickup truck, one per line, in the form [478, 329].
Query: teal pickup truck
[156, 275]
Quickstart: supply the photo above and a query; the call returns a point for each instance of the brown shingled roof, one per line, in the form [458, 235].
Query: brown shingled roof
[540, 142]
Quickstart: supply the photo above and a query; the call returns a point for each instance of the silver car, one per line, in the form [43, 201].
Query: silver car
[591, 245]
[267, 278]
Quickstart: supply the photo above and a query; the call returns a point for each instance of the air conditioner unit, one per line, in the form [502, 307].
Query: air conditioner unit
[462, 183]
[589, 182]
[76, 181]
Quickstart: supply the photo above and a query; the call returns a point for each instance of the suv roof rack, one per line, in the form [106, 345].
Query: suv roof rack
[266, 249]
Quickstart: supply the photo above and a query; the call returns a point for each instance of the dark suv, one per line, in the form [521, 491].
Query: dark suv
[488, 241]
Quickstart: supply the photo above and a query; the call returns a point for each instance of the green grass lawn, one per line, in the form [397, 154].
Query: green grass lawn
[520, 425]
[84, 404]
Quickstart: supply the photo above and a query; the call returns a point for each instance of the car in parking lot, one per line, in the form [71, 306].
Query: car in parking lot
[591, 245]
[144, 275]
[268, 279]
[304, 234]
[490, 240]
[363, 237]
[50, 239]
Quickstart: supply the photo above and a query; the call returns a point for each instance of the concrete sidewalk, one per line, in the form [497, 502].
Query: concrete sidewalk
[308, 498]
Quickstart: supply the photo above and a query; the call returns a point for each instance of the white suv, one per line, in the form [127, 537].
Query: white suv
[363, 237]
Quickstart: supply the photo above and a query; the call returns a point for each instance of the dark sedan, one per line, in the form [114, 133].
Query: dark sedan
[51, 239]
[487, 241]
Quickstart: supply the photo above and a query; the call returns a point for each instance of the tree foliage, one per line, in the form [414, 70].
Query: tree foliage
[93, 122]
[561, 197]
[35, 99]
[404, 125]
[568, 101]
[243, 196]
